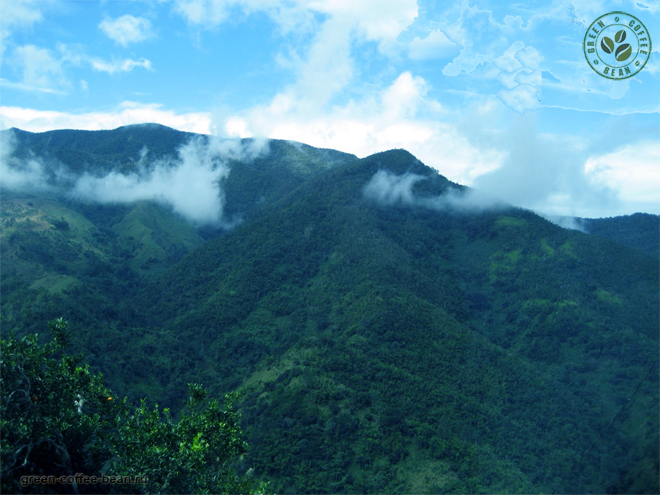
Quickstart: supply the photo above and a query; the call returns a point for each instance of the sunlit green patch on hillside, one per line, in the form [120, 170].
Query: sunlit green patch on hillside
[55, 284]
[568, 249]
[43, 238]
[547, 249]
[502, 263]
[607, 297]
[153, 235]
[506, 221]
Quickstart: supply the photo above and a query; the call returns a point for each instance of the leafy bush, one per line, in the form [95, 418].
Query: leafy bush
[58, 419]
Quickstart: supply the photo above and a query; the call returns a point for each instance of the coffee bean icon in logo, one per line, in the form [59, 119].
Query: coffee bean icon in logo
[623, 52]
[607, 45]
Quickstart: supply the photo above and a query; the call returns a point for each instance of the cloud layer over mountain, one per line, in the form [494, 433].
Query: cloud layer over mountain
[390, 189]
[190, 183]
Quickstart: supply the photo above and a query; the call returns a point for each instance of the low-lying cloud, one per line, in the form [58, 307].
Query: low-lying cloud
[27, 175]
[191, 183]
[387, 188]
[570, 223]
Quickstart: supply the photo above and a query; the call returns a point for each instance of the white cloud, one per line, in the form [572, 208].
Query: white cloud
[29, 177]
[435, 46]
[190, 184]
[371, 20]
[521, 98]
[205, 12]
[585, 11]
[570, 223]
[480, 38]
[520, 77]
[404, 97]
[388, 189]
[19, 13]
[24, 175]
[632, 170]
[400, 116]
[485, 42]
[127, 29]
[40, 68]
[115, 66]
[125, 114]
[544, 172]
[328, 67]
[376, 19]
[16, 14]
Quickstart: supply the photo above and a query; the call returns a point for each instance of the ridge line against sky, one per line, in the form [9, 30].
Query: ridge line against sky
[494, 95]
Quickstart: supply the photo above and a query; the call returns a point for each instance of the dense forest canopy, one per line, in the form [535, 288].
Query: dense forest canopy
[386, 329]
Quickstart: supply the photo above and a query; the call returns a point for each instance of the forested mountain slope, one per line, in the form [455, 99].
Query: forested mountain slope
[641, 230]
[389, 331]
[56, 241]
[413, 348]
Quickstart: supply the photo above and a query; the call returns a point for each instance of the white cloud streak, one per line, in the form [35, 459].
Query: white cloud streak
[43, 70]
[388, 189]
[116, 66]
[29, 87]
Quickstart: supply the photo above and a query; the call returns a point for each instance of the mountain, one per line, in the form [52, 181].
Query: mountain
[59, 234]
[640, 231]
[389, 330]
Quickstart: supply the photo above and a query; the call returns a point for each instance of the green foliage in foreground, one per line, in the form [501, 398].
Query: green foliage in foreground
[58, 419]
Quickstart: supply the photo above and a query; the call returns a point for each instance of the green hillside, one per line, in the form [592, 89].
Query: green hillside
[401, 349]
[409, 347]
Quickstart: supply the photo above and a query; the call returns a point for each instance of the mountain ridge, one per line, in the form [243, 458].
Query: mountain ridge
[389, 331]
[238, 304]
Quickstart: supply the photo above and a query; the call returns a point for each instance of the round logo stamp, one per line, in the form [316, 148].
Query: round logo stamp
[617, 45]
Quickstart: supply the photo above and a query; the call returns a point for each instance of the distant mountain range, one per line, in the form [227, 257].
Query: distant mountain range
[389, 330]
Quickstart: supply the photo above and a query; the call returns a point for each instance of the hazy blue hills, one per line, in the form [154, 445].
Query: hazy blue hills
[389, 330]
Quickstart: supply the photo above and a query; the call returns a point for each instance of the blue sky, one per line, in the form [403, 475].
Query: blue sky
[495, 95]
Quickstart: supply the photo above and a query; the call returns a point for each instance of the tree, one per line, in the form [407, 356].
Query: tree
[59, 420]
